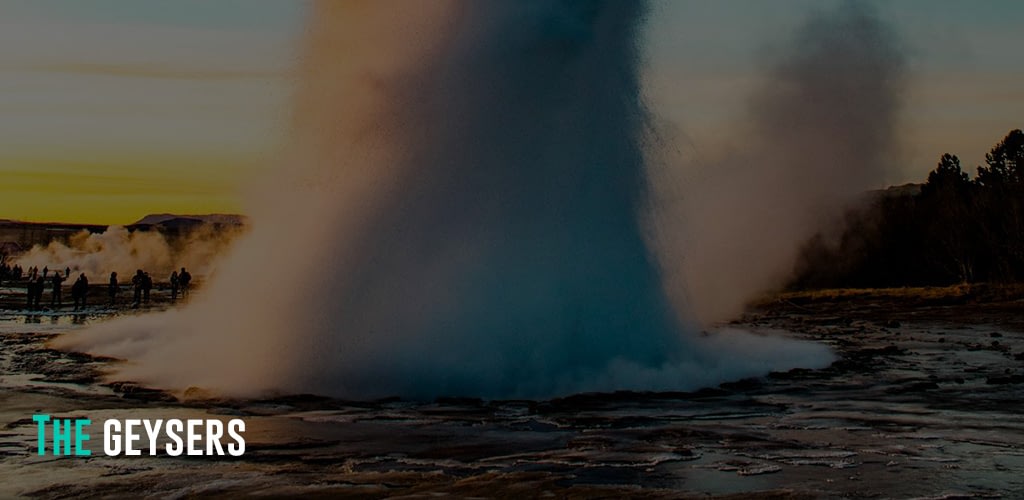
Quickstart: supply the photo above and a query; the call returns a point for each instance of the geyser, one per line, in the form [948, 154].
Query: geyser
[463, 212]
[820, 130]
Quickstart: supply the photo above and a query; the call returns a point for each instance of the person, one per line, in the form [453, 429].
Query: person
[184, 279]
[137, 286]
[147, 285]
[30, 292]
[46, 270]
[56, 299]
[67, 272]
[174, 286]
[76, 293]
[40, 286]
[79, 291]
[35, 292]
[112, 289]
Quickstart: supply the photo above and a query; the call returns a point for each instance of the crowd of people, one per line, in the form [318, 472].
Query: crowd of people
[10, 273]
[36, 281]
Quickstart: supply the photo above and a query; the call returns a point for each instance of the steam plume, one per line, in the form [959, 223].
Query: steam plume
[121, 251]
[819, 132]
[463, 213]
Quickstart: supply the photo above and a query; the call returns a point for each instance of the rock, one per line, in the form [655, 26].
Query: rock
[1005, 380]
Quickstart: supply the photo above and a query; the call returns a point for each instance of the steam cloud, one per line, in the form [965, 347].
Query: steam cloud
[465, 212]
[121, 251]
[819, 132]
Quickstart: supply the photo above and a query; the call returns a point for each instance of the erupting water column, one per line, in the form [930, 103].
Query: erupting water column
[462, 213]
[504, 251]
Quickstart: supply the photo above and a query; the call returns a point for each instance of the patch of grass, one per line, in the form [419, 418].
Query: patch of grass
[964, 293]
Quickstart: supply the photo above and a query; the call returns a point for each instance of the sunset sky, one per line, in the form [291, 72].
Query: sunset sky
[112, 109]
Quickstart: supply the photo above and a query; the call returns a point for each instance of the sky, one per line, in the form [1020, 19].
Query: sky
[112, 109]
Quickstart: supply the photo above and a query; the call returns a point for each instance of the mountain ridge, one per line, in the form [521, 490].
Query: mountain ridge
[162, 218]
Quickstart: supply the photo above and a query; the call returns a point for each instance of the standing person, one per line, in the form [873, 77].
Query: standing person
[30, 291]
[85, 288]
[137, 286]
[56, 299]
[147, 285]
[46, 270]
[83, 291]
[174, 286]
[112, 289]
[40, 286]
[35, 292]
[67, 272]
[184, 279]
[76, 293]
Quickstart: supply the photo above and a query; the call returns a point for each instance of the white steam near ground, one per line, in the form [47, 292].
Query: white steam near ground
[465, 212]
[122, 251]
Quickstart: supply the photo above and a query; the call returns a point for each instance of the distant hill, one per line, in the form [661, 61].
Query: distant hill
[180, 220]
[909, 189]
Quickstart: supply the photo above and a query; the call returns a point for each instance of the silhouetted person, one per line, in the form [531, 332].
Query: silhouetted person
[40, 287]
[30, 292]
[76, 293]
[184, 279]
[79, 290]
[35, 292]
[67, 272]
[147, 285]
[112, 289]
[174, 285]
[46, 270]
[57, 281]
[137, 284]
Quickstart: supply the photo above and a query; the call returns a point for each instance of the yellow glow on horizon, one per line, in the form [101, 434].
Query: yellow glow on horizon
[117, 190]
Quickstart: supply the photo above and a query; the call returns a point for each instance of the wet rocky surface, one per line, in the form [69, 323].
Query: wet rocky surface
[925, 401]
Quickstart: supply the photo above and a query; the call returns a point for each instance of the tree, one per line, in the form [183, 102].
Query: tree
[953, 229]
[1001, 203]
[947, 176]
[948, 201]
[1005, 162]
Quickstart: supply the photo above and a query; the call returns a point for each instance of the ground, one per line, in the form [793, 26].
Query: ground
[924, 401]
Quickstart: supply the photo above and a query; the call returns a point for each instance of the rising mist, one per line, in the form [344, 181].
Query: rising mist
[119, 250]
[464, 210]
[820, 130]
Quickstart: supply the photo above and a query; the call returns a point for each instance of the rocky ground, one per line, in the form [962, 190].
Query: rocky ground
[925, 401]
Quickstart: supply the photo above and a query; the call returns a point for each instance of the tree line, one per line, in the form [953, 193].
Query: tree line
[952, 229]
